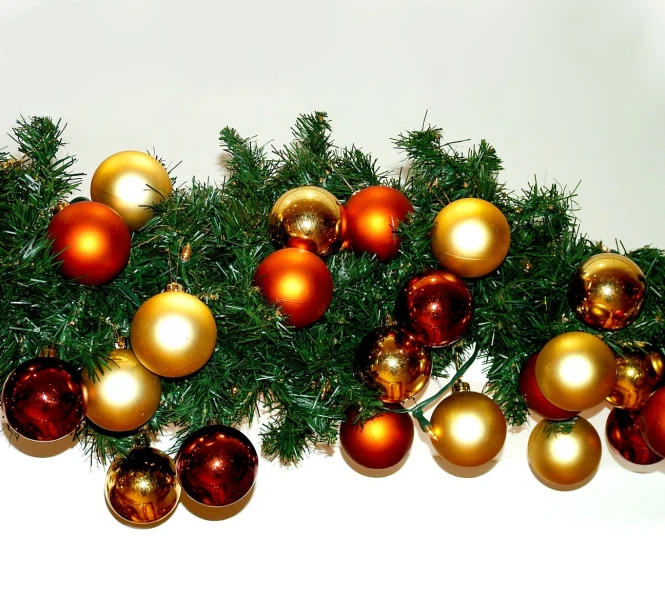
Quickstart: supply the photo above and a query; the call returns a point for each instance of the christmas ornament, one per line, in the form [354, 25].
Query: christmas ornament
[123, 395]
[652, 421]
[373, 215]
[132, 183]
[392, 362]
[470, 237]
[217, 465]
[298, 281]
[638, 374]
[42, 399]
[91, 241]
[173, 334]
[308, 217]
[142, 487]
[533, 396]
[564, 458]
[382, 442]
[608, 291]
[624, 435]
[468, 428]
[435, 308]
[575, 371]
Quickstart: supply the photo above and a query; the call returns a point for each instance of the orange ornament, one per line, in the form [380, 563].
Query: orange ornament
[372, 216]
[652, 421]
[298, 281]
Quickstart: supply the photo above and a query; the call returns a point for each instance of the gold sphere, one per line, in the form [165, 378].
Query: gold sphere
[575, 371]
[468, 429]
[123, 395]
[308, 217]
[638, 374]
[471, 237]
[131, 183]
[564, 459]
[608, 291]
[173, 334]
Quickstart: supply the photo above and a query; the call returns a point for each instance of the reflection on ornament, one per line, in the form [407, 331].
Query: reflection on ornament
[652, 421]
[624, 435]
[638, 374]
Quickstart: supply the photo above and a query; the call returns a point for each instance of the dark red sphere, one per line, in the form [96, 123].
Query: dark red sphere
[435, 308]
[652, 421]
[42, 399]
[624, 435]
[217, 465]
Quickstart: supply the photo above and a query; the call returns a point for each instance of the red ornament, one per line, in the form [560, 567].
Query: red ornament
[372, 216]
[535, 399]
[623, 434]
[298, 281]
[382, 442]
[91, 241]
[652, 421]
[217, 465]
[435, 308]
[42, 399]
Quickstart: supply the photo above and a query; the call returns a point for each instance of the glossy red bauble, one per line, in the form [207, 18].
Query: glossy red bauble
[652, 421]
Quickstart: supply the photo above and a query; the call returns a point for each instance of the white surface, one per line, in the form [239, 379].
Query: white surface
[566, 91]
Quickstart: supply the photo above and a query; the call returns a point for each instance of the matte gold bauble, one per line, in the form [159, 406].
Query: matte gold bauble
[308, 217]
[123, 395]
[608, 291]
[471, 237]
[131, 183]
[575, 371]
[468, 429]
[564, 458]
[638, 374]
[173, 334]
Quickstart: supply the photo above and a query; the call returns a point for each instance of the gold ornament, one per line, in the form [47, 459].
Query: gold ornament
[123, 395]
[471, 237]
[575, 371]
[173, 334]
[638, 374]
[608, 291]
[131, 183]
[564, 458]
[468, 429]
[308, 217]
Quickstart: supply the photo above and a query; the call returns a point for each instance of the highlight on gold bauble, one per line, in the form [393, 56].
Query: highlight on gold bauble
[470, 237]
[652, 421]
[297, 281]
[638, 374]
[132, 183]
[608, 291]
[122, 395]
[624, 435]
[173, 334]
[381, 442]
[373, 215]
[392, 362]
[576, 371]
[142, 487]
[564, 459]
[307, 217]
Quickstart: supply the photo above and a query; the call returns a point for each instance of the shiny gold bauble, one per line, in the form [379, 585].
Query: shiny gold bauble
[638, 374]
[123, 395]
[468, 429]
[564, 458]
[608, 291]
[173, 334]
[308, 217]
[575, 371]
[471, 237]
[142, 487]
[131, 183]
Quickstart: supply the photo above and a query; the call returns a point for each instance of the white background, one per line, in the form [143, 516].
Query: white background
[566, 90]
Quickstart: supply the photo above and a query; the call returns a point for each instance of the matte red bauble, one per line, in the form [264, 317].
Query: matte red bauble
[652, 421]
[624, 435]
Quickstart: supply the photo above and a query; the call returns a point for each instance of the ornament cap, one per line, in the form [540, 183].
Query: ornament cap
[174, 287]
[461, 387]
[121, 342]
[50, 352]
[59, 206]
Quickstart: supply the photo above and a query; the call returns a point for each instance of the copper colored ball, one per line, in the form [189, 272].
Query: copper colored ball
[392, 362]
[217, 465]
[297, 281]
[308, 217]
[638, 374]
[91, 241]
[142, 487]
[373, 215]
[624, 435]
[42, 399]
[382, 442]
[652, 421]
[608, 291]
[435, 307]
